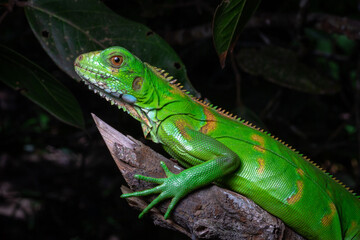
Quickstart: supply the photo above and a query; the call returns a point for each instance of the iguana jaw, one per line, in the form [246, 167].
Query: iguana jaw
[114, 97]
[89, 78]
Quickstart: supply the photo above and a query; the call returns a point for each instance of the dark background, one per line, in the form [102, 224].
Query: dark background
[59, 182]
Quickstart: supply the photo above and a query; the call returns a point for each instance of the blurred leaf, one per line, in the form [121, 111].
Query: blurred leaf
[353, 78]
[283, 67]
[37, 124]
[334, 69]
[325, 46]
[325, 42]
[346, 44]
[67, 28]
[350, 129]
[322, 41]
[229, 20]
[39, 86]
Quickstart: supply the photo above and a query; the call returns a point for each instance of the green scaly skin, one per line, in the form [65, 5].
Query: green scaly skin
[216, 147]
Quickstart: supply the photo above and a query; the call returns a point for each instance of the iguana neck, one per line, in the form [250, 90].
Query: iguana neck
[158, 102]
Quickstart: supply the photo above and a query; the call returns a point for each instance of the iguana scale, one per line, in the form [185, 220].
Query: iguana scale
[216, 147]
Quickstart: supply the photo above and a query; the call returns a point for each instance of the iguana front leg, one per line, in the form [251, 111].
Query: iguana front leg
[211, 158]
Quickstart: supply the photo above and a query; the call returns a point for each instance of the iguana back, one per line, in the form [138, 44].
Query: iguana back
[282, 181]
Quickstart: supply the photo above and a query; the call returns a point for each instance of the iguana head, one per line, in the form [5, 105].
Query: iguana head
[114, 73]
[119, 77]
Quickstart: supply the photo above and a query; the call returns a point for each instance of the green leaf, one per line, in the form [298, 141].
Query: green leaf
[322, 41]
[229, 20]
[350, 129]
[346, 44]
[39, 86]
[283, 67]
[67, 28]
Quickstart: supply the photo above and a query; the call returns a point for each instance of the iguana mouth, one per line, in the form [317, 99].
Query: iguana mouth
[97, 87]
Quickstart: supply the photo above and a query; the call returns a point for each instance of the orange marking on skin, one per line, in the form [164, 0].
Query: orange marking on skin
[353, 226]
[297, 196]
[326, 220]
[211, 123]
[329, 193]
[259, 149]
[261, 141]
[300, 171]
[168, 97]
[176, 91]
[261, 168]
[181, 124]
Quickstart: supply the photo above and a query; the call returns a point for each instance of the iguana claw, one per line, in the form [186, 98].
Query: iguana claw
[168, 188]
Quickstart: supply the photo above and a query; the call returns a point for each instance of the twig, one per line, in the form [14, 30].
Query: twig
[325, 22]
[335, 24]
[300, 22]
[10, 6]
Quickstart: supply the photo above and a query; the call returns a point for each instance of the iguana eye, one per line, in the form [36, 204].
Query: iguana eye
[116, 61]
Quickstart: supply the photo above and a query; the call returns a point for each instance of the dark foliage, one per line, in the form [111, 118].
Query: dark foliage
[59, 182]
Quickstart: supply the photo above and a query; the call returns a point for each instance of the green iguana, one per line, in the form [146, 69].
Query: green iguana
[216, 147]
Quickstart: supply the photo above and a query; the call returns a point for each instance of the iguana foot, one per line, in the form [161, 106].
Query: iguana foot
[173, 186]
